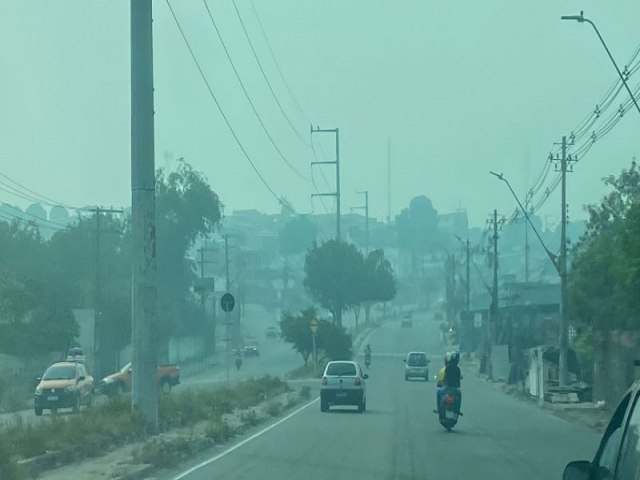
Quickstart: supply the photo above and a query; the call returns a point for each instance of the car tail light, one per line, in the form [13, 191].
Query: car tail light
[449, 400]
[324, 380]
[358, 381]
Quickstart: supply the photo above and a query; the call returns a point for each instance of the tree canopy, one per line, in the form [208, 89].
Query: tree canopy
[338, 277]
[605, 275]
[297, 235]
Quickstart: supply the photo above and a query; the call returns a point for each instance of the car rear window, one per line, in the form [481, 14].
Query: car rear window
[417, 360]
[60, 372]
[341, 369]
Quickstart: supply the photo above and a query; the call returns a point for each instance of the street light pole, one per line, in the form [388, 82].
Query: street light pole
[560, 264]
[581, 19]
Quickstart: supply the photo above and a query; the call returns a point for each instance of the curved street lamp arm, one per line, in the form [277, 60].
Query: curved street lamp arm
[552, 256]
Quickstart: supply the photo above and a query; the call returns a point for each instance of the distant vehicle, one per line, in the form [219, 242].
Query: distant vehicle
[64, 385]
[251, 351]
[343, 383]
[617, 456]
[168, 376]
[406, 321]
[272, 332]
[417, 366]
[76, 354]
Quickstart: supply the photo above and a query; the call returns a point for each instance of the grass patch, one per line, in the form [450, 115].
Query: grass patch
[164, 453]
[273, 409]
[249, 418]
[305, 392]
[219, 430]
[101, 428]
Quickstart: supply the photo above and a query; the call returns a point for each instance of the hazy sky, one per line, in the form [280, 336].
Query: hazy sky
[461, 88]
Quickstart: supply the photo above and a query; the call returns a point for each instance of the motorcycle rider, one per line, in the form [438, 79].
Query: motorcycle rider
[452, 377]
[440, 382]
[367, 354]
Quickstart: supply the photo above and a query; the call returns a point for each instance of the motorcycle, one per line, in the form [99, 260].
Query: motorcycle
[367, 362]
[449, 408]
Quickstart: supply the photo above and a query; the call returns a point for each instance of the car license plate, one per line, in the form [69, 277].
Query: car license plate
[52, 398]
[451, 415]
[341, 395]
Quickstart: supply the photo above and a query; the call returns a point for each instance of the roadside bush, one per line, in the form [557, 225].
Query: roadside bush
[15, 393]
[305, 392]
[9, 468]
[219, 430]
[163, 453]
[249, 418]
[273, 409]
[102, 427]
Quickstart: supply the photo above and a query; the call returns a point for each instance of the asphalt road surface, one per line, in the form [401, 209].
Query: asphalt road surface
[399, 437]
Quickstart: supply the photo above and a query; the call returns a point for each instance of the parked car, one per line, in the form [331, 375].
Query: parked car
[64, 384]
[168, 376]
[272, 332]
[416, 365]
[406, 321]
[251, 351]
[343, 383]
[617, 456]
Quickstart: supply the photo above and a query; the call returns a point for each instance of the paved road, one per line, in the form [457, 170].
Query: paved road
[399, 437]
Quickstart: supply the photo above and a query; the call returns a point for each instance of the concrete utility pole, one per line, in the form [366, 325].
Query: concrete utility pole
[144, 390]
[389, 179]
[526, 243]
[467, 245]
[564, 321]
[227, 284]
[494, 297]
[336, 162]
[468, 277]
[98, 351]
[365, 207]
[210, 334]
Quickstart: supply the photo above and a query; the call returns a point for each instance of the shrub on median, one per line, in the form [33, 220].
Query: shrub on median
[96, 430]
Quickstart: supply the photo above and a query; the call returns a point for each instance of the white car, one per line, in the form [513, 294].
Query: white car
[343, 383]
[416, 365]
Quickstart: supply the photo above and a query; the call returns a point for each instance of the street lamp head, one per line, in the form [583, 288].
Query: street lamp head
[499, 175]
[578, 18]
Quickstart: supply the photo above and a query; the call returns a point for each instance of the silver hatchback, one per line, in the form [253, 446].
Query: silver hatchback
[416, 366]
[343, 383]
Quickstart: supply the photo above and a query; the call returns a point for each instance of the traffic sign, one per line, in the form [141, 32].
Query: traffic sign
[314, 326]
[227, 302]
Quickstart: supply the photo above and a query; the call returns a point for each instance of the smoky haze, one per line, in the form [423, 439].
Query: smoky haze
[459, 88]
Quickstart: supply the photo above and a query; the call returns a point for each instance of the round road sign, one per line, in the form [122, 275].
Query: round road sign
[227, 302]
[313, 325]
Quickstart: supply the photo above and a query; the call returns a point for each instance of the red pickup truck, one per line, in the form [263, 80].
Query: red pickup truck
[167, 375]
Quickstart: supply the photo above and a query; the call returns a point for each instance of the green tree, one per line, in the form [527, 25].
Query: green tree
[417, 229]
[295, 330]
[186, 208]
[332, 340]
[378, 284]
[333, 271]
[297, 235]
[605, 275]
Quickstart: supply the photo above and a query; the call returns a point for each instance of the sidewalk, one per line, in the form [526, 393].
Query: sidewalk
[587, 414]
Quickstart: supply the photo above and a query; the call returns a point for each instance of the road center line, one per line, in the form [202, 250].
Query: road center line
[243, 442]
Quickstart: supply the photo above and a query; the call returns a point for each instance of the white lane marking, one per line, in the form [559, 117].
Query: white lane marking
[243, 442]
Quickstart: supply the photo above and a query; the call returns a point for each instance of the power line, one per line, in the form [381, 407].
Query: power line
[38, 196]
[264, 75]
[246, 93]
[224, 116]
[275, 61]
